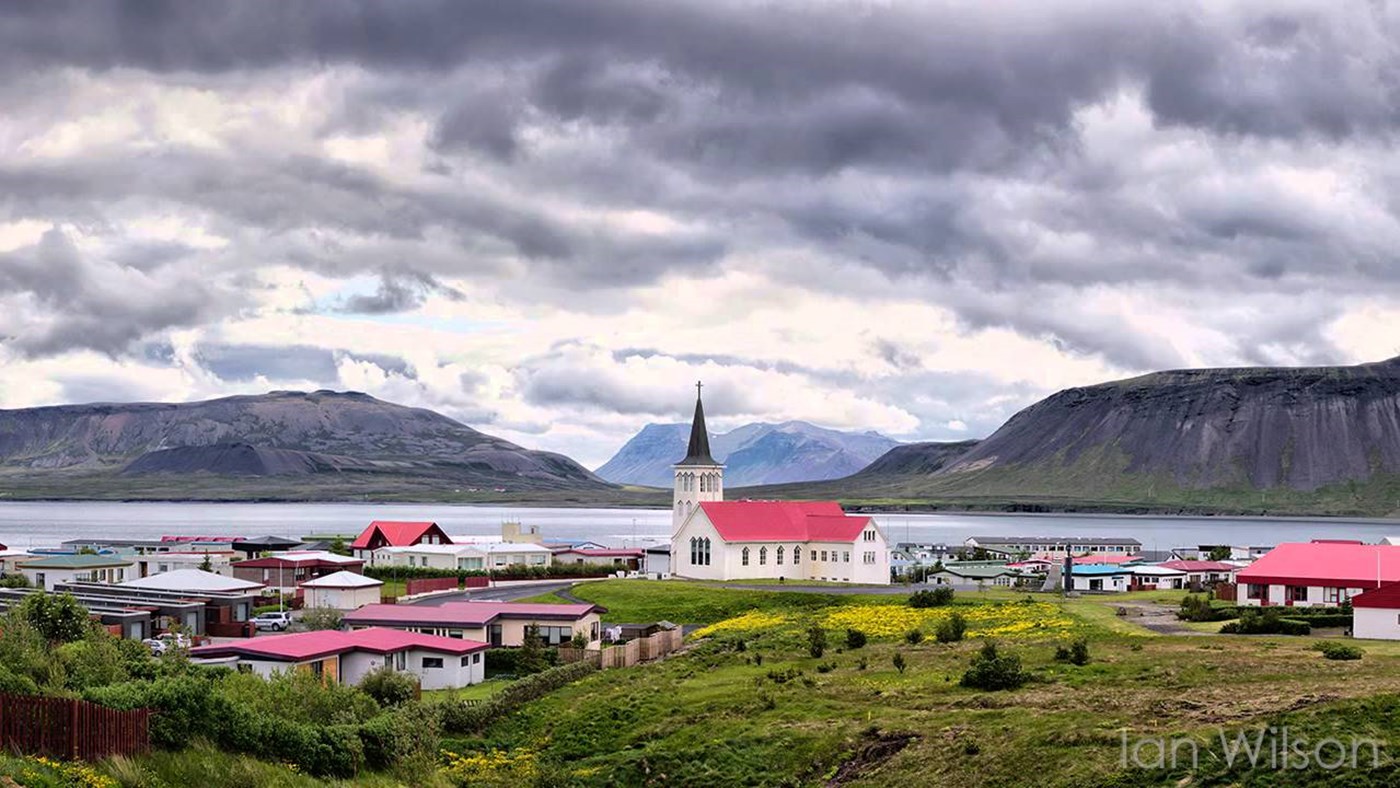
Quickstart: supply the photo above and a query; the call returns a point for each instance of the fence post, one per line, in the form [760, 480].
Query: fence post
[73, 730]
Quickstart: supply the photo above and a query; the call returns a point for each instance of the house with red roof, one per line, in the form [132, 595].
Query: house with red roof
[1307, 574]
[285, 572]
[346, 657]
[1203, 574]
[1375, 614]
[715, 539]
[394, 533]
[497, 623]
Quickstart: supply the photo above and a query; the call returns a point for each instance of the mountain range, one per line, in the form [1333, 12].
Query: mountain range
[351, 438]
[1249, 440]
[759, 453]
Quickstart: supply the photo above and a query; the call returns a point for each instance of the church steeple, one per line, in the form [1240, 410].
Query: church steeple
[698, 477]
[698, 453]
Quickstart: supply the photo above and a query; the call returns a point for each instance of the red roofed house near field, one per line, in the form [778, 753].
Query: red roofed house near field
[438, 662]
[1317, 574]
[715, 539]
[1376, 613]
[389, 533]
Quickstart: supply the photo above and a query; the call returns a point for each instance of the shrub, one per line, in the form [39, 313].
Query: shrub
[390, 687]
[1079, 652]
[951, 629]
[914, 637]
[855, 639]
[784, 676]
[993, 670]
[1199, 608]
[899, 663]
[826, 667]
[1270, 622]
[1341, 651]
[861, 664]
[57, 617]
[322, 617]
[816, 641]
[931, 597]
[15, 580]
[407, 734]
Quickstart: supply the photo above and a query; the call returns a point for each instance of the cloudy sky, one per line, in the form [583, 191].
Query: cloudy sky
[548, 219]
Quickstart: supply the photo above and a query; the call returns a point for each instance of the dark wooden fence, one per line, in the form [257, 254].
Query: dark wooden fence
[429, 584]
[71, 729]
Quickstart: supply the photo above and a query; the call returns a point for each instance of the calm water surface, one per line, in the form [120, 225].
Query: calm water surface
[24, 524]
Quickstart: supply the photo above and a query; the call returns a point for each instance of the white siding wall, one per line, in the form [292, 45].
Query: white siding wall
[1376, 623]
[342, 598]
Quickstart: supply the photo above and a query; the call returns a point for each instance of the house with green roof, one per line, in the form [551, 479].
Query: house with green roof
[965, 573]
[46, 572]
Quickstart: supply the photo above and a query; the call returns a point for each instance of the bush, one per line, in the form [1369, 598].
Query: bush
[913, 637]
[57, 617]
[1269, 622]
[408, 734]
[826, 667]
[855, 639]
[899, 663]
[1341, 651]
[1199, 608]
[951, 629]
[322, 617]
[931, 597]
[390, 687]
[1076, 654]
[816, 641]
[993, 670]
[15, 580]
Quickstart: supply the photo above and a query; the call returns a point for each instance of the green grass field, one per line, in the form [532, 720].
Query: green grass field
[773, 714]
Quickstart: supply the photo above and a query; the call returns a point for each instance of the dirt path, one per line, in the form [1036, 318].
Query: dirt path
[1156, 617]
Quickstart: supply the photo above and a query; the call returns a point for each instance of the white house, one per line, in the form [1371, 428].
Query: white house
[1100, 577]
[1317, 574]
[1161, 578]
[220, 563]
[347, 657]
[342, 591]
[715, 539]
[48, 571]
[194, 581]
[459, 557]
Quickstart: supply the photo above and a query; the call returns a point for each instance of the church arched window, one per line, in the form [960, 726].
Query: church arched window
[707, 551]
[694, 550]
[797, 554]
[762, 556]
[744, 558]
[704, 482]
[780, 555]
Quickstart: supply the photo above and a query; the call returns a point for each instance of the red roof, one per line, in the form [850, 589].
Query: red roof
[464, 614]
[1200, 566]
[313, 645]
[783, 521]
[1387, 596]
[397, 534]
[1333, 564]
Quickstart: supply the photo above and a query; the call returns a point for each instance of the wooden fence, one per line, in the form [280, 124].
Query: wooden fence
[71, 729]
[625, 655]
[428, 584]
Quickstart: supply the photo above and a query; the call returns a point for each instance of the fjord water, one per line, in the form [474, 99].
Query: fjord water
[37, 524]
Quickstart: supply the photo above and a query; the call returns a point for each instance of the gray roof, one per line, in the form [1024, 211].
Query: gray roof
[1054, 539]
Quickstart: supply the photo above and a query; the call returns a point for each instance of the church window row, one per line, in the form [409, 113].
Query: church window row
[868, 536]
[778, 554]
[837, 557]
[684, 507]
[700, 551]
[867, 557]
[702, 482]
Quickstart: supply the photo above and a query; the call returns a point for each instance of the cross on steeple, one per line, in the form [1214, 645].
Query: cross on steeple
[698, 386]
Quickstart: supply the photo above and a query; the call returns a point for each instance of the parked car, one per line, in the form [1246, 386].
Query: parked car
[274, 621]
[175, 640]
[156, 645]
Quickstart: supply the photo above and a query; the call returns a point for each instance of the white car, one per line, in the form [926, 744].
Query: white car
[274, 621]
[157, 646]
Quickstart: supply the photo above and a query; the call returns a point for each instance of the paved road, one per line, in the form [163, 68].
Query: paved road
[498, 594]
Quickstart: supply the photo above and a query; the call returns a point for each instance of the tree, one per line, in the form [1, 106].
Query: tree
[530, 658]
[322, 617]
[206, 565]
[899, 663]
[816, 641]
[57, 617]
[951, 629]
[1220, 552]
[339, 547]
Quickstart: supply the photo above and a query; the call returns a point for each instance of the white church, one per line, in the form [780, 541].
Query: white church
[715, 539]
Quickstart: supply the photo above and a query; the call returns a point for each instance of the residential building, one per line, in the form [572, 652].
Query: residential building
[342, 591]
[498, 623]
[1236, 552]
[1375, 614]
[347, 657]
[1307, 574]
[390, 533]
[1158, 577]
[628, 559]
[285, 572]
[200, 602]
[1202, 574]
[500, 555]
[1053, 547]
[974, 573]
[1100, 577]
[451, 557]
[11, 559]
[219, 562]
[194, 581]
[49, 571]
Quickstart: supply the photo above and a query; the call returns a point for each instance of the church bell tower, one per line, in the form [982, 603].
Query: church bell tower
[698, 477]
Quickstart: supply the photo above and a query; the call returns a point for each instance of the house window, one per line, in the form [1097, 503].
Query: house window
[244, 667]
[823, 555]
[318, 668]
[494, 634]
[1295, 593]
[797, 555]
[466, 660]
[762, 556]
[401, 660]
[1332, 595]
[814, 555]
[476, 658]
[845, 557]
[554, 636]
[1256, 591]
[780, 555]
[744, 559]
[706, 542]
[432, 662]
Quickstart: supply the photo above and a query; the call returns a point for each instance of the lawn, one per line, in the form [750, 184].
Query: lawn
[768, 712]
[480, 691]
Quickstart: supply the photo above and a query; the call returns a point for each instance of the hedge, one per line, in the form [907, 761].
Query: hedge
[472, 716]
[1266, 626]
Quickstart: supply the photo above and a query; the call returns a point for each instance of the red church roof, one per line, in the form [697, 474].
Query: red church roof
[783, 521]
[1332, 564]
[397, 534]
